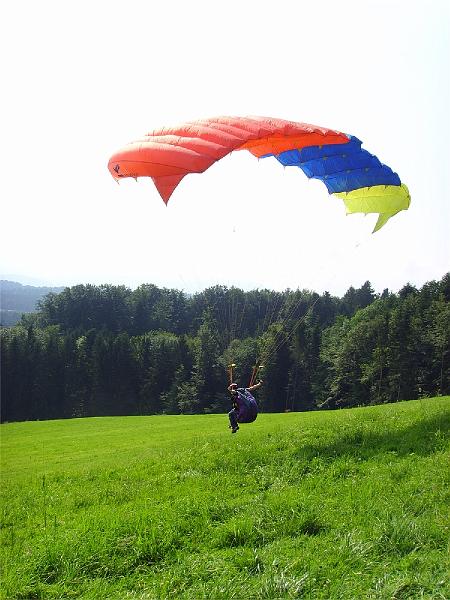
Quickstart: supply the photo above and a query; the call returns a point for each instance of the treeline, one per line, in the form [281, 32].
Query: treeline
[108, 350]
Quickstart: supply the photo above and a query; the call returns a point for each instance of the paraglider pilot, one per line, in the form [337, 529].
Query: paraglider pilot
[245, 408]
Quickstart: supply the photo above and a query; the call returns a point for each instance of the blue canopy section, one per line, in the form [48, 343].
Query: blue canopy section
[360, 178]
[341, 167]
[294, 157]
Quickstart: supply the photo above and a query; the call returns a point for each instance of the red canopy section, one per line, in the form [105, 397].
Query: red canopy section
[168, 154]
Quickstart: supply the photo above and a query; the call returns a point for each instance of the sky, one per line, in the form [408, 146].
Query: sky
[82, 79]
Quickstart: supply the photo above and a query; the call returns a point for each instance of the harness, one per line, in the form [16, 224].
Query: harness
[248, 408]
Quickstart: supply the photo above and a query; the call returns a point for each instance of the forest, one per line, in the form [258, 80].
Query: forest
[109, 350]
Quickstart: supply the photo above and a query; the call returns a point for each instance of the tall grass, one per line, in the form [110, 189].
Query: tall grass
[344, 504]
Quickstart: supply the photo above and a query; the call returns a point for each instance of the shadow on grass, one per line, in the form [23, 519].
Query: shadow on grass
[423, 438]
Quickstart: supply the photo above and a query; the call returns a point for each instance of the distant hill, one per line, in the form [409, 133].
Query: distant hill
[16, 299]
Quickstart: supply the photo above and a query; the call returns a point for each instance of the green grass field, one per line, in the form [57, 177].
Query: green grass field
[349, 504]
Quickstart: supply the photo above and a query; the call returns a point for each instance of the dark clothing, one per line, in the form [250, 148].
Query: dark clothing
[245, 408]
[233, 416]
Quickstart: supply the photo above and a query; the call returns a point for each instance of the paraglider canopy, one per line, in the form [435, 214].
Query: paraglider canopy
[349, 172]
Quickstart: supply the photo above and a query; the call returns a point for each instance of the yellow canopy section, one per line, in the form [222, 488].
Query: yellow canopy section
[386, 200]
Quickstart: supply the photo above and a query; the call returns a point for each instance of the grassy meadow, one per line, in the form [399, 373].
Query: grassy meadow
[349, 504]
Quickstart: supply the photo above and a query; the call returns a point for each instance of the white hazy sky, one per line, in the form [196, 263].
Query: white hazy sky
[81, 79]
